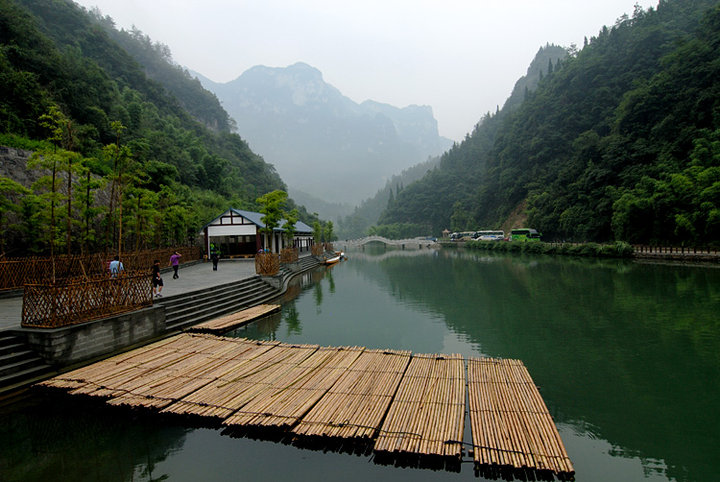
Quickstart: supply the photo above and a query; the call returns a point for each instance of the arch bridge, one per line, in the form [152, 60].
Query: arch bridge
[410, 243]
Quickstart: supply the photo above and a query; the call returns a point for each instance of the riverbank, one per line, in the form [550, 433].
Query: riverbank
[619, 249]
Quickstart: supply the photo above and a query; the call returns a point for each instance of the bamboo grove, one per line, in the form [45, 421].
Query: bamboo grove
[70, 209]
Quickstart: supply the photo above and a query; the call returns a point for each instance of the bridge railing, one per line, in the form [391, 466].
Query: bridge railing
[410, 242]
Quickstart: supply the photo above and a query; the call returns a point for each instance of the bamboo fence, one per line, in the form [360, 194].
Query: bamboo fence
[16, 272]
[289, 255]
[267, 264]
[69, 302]
[408, 405]
[683, 250]
[511, 426]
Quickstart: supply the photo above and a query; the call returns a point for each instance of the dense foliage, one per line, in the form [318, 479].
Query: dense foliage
[619, 141]
[156, 165]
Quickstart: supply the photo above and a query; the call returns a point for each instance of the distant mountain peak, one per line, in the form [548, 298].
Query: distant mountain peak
[321, 141]
[298, 69]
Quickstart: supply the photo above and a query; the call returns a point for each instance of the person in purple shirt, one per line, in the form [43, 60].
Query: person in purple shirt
[175, 263]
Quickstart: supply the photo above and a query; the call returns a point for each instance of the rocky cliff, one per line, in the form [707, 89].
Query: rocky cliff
[320, 141]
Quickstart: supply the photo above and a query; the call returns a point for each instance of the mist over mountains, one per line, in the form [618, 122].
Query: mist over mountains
[320, 141]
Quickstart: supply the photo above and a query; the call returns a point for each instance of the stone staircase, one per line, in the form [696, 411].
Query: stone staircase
[185, 310]
[304, 264]
[19, 364]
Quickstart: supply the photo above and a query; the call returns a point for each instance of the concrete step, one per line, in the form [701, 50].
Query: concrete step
[10, 367]
[7, 349]
[22, 353]
[18, 362]
[23, 375]
[205, 312]
[204, 291]
[211, 297]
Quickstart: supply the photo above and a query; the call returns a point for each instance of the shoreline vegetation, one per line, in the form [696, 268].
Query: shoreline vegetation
[618, 249]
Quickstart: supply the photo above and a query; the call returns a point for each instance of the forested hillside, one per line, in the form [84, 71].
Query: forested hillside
[367, 213]
[166, 162]
[619, 141]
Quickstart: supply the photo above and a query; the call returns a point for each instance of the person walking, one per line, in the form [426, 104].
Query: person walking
[175, 263]
[214, 256]
[157, 281]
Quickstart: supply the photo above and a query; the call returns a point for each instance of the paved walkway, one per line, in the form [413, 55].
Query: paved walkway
[192, 278]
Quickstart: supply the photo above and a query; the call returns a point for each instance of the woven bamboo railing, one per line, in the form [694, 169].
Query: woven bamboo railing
[289, 255]
[16, 272]
[267, 264]
[72, 301]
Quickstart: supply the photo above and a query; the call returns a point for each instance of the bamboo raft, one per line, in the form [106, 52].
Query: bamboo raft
[511, 425]
[427, 415]
[234, 320]
[401, 405]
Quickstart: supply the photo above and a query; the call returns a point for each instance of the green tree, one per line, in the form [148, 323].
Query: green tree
[120, 156]
[329, 234]
[53, 159]
[318, 232]
[272, 206]
[291, 219]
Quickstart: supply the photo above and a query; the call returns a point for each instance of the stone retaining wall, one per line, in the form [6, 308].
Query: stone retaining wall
[69, 345]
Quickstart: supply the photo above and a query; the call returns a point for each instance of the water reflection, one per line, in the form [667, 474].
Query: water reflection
[625, 354]
[45, 437]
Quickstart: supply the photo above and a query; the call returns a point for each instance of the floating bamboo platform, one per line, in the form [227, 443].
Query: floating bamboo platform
[511, 425]
[354, 407]
[399, 404]
[427, 415]
[234, 320]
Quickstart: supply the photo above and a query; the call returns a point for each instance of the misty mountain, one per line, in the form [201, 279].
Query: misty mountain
[320, 141]
[325, 210]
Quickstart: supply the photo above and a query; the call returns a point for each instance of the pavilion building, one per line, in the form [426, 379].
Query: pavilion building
[238, 233]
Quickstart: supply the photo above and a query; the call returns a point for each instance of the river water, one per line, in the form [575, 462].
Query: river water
[626, 356]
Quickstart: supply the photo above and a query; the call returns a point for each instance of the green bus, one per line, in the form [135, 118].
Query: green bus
[524, 235]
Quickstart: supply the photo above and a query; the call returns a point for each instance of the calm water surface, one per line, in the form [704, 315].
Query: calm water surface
[626, 355]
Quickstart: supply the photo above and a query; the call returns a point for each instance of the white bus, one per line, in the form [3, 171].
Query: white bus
[490, 235]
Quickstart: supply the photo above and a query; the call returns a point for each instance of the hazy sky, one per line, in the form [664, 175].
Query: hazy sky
[461, 57]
